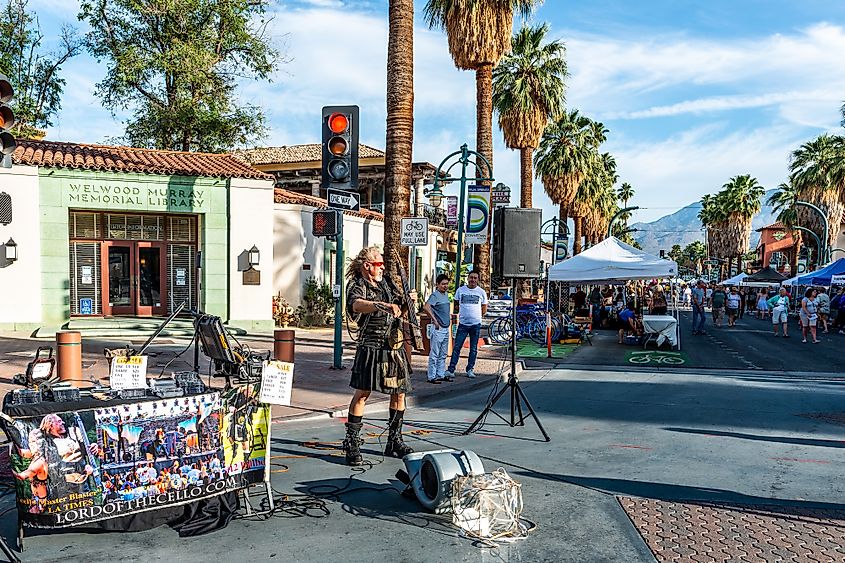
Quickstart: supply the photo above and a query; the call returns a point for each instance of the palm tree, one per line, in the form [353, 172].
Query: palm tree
[817, 170]
[625, 193]
[783, 202]
[400, 127]
[587, 208]
[528, 90]
[728, 215]
[479, 35]
[713, 216]
[566, 156]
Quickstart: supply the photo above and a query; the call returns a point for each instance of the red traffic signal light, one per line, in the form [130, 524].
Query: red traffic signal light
[324, 223]
[7, 120]
[340, 147]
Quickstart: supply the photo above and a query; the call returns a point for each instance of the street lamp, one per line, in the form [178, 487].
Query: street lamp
[824, 258]
[464, 157]
[11, 250]
[254, 256]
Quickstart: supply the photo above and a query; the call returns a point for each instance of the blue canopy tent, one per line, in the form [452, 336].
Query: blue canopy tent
[824, 276]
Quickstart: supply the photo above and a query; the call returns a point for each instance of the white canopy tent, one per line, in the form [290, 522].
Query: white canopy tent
[790, 281]
[736, 279]
[612, 262]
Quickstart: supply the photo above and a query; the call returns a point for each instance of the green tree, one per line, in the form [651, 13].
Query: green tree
[694, 254]
[528, 90]
[400, 128]
[34, 73]
[676, 252]
[817, 170]
[175, 64]
[479, 35]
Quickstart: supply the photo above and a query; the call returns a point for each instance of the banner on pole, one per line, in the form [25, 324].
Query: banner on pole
[451, 211]
[478, 214]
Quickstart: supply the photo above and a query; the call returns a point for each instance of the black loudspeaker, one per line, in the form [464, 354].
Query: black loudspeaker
[516, 242]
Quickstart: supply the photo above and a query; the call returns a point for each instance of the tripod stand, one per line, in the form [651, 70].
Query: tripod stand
[517, 395]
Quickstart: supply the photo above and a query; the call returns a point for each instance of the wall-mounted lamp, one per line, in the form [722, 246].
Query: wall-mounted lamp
[254, 256]
[11, 250]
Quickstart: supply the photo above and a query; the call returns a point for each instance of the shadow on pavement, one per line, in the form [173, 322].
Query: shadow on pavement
[762, 438]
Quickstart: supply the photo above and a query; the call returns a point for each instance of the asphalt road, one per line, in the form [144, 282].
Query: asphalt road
[756, 438]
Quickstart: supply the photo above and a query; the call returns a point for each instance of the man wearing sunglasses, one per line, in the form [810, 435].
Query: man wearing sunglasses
[375, 303]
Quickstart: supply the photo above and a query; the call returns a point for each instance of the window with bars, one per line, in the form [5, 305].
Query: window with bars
[181, 276]
[134, 227]
[85, 282]
[84, 225]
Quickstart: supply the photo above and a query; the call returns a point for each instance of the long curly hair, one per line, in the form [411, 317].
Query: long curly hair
[356, 265]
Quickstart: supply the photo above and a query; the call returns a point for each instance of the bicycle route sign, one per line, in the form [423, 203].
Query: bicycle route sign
[414, 231]
[656, 358]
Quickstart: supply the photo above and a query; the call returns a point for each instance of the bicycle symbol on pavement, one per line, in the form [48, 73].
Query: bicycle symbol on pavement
[655, 357]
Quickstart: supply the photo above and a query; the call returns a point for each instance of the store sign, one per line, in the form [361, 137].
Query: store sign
[136, 197]
[74, 468]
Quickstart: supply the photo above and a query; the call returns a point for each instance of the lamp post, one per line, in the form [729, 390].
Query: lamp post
[617, 215]
[464, 157]
[815, 236]
[823, 254]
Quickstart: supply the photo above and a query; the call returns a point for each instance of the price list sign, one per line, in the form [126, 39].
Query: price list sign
[128, 373]
[276, 383]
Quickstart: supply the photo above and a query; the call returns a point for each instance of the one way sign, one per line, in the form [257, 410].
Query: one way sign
[341, 199]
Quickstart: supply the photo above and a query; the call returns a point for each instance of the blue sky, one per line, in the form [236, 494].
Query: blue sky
[692, 92]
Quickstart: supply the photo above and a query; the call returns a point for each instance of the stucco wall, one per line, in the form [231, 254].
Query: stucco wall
[251, 223]
[20, 281]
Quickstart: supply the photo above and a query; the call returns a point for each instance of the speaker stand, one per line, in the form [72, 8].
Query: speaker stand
[517, 395]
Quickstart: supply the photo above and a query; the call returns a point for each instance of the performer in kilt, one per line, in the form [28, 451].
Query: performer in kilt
[381, 364]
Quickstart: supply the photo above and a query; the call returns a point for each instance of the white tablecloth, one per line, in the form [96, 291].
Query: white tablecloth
[664, 326]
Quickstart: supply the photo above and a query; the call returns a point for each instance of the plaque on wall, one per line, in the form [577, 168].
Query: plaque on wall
[252, 277]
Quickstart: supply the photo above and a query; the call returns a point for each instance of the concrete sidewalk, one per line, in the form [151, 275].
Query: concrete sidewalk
[318, 390]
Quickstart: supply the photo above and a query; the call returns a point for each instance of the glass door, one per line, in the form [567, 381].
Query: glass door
[152, 273]
[119, 278]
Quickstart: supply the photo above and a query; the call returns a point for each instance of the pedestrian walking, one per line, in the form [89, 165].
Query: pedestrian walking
[762, 304]
[809, 315]
[734, 304]
[837, 303]
[717, 305]
[471, 300]
[659, 306]
[687, 296]
[824, 307]
[438, 307]
[709, 295]
[780, 312]
[742, 302]
[698, 297]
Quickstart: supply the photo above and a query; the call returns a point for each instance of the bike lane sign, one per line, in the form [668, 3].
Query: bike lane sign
[414, 231]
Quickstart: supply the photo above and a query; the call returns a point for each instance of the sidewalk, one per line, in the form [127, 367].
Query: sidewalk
[318, 390]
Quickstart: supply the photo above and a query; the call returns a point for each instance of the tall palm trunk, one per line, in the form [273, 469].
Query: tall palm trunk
[400, 127]
[576, 244]
[484, 145]
[526, 178]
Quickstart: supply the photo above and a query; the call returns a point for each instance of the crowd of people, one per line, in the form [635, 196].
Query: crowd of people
[817, 309]
[151, 479]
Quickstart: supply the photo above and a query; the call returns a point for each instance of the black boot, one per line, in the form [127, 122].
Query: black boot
[352, 443]
[395, 446]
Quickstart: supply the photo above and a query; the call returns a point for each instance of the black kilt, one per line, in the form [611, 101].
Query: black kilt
[372, 365]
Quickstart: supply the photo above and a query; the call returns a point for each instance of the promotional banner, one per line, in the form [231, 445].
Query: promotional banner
[451, 211]
[478, 214]
[74, 468]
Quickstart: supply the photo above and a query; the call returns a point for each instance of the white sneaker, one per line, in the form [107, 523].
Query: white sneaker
[470, 374]
[449, 375]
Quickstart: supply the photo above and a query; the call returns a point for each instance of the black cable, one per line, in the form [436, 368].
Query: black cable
[194, 337]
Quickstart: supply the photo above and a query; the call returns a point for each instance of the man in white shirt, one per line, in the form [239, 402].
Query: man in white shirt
[471, 301]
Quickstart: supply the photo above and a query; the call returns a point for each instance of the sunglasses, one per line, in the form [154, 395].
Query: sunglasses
[378, 264]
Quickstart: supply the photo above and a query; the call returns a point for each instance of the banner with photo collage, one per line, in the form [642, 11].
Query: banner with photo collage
[75, 468]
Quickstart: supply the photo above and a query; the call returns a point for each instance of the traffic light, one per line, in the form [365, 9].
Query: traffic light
[340, 147]
[7, 120]
[662, 253]
[324, 223]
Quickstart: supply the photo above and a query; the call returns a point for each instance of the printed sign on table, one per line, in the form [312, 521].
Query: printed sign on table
[75, 468]
[128, 373]
[276, 382]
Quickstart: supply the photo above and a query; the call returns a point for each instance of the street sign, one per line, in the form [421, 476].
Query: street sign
[414, 231]
[500, 196]
[341, 199]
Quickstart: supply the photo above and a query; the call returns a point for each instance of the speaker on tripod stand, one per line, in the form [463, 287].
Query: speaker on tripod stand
[516, 255]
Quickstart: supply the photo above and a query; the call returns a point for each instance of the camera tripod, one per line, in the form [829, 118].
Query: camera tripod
[516, 393]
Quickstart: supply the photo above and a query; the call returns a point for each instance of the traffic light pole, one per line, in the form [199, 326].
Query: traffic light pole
[338, 302]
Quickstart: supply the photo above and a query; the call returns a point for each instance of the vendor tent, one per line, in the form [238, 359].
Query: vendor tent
[824, 277]
[765, 277]
[612, 261]
[790, 282]
[736, 279]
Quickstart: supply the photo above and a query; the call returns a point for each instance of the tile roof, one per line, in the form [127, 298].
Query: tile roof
[296, 153]
[129, 159]
[777, 226]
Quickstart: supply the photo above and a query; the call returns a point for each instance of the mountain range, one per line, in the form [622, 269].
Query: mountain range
[683, 227]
